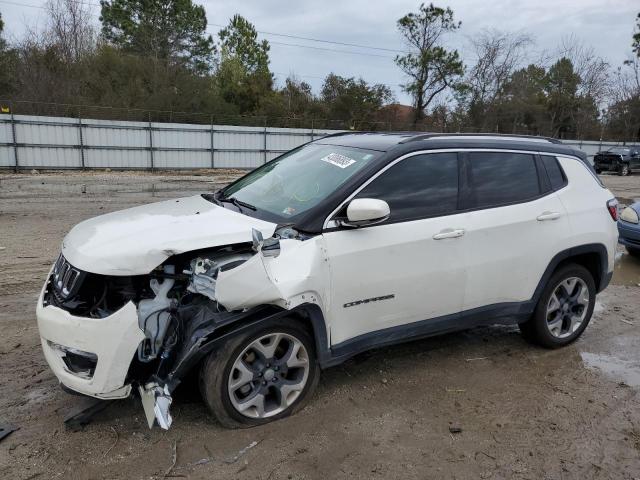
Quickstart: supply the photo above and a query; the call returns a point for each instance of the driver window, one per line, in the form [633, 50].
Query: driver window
[418, 187]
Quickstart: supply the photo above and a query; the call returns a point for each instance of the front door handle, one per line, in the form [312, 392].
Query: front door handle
[548, 216]
[449, 233]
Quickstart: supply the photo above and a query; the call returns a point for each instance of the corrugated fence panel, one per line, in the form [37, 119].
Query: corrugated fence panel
[45, 157]
[56, 142]
[114, 158]
[181, 159]
[6, 157]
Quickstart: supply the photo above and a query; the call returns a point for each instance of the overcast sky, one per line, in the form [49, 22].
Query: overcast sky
[607, 25]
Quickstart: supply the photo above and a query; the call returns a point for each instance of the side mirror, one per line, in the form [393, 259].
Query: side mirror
[366, 211]
[269, 247]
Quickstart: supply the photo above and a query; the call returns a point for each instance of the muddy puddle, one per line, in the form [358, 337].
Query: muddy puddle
[619, 369]
[627, 270]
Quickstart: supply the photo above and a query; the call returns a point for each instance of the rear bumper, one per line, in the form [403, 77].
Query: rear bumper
[114, 340]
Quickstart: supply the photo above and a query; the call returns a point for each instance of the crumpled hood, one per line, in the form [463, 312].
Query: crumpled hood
[136, 240]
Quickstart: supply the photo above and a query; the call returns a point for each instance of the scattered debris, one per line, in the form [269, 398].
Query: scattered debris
[83, 188]
[626, 321]
[34, 172]
[82, 415]
[6, 429]
[453, 429]
[174, 459]
[455, 390]
[242, 452]
[384, 381]
[113, 444]
[474, 359]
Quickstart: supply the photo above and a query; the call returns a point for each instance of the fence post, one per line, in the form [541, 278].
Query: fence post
[213, 153]
[81, 139]
[265, 140]
[15, 142]
[151, 142]
[312, 134]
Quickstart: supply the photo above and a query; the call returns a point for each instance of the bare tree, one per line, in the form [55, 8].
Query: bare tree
[593, 70]
[70, 28]
[498, 54]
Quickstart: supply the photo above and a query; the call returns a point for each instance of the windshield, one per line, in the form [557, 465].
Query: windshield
[299, 180]
[619, 150]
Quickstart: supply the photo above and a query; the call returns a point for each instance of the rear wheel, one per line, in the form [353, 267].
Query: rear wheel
[598, 171]
[564, 308]
[260, 376]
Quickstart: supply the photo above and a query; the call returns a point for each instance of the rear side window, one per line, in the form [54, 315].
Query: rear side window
[554, 172]
[418, 187]
[499, 178]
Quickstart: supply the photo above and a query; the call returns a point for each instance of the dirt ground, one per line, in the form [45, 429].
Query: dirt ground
[525, 412]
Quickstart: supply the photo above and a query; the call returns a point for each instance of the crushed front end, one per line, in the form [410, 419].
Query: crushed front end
[105, 335]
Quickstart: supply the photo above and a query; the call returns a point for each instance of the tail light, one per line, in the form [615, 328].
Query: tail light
[612, 206]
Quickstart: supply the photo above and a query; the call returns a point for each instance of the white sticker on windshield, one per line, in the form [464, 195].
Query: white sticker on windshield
[338, 160]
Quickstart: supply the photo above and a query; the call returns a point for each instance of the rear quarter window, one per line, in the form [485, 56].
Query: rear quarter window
[556, 176]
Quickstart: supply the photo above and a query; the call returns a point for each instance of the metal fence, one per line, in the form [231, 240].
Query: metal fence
[28, 142]
[58, 142]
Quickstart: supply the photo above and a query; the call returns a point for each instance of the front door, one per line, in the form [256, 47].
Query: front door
[408, 268]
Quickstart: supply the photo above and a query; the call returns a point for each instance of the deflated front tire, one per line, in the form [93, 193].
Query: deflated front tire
[262, 375]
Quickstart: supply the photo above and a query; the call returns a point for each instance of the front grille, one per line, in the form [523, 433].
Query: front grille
[65, 278]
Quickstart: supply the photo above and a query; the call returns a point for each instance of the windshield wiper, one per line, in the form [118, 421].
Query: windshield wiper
[238, 203]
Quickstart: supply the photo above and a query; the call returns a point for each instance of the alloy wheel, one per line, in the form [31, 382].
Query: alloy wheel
[567, 307]
[269, 375]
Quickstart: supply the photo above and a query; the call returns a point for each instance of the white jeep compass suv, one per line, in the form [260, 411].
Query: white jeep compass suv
[344, 244]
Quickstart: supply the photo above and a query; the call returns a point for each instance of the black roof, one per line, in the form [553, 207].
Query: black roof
[405, 142]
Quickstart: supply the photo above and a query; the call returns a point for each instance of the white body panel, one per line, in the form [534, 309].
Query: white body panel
[136, 240]
[113, 339]
[425, 276]
[506, 249]
[586, 203]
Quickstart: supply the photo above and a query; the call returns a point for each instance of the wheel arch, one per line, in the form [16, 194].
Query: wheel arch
[207, 340]
[592, 256]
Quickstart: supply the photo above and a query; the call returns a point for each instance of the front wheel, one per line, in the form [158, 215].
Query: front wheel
[260, 376]
[624, 170]
[564, 308]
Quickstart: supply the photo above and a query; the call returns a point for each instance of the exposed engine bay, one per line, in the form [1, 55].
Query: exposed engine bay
[178, 311]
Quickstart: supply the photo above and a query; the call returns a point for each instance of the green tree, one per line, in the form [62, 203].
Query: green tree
[523, 105]
[562, 100]
[167, 30]
[352, 100]
[243, 76]
[430, 68]
[7, 64]
[239, 40]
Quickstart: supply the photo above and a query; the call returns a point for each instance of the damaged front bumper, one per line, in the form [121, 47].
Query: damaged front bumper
[70, 344]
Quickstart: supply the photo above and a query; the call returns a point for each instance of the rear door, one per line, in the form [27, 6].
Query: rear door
[515, 225]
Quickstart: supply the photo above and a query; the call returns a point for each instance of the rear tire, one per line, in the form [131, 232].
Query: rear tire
[262, 375]
[598, 171]
[564, 308]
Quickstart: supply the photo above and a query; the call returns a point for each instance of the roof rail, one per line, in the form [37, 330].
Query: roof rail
[427, 136]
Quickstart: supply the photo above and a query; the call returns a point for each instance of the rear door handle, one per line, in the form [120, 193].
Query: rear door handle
[449, 233]
[548, 216]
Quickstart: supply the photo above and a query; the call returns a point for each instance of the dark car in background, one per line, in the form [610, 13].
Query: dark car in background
[623, 160]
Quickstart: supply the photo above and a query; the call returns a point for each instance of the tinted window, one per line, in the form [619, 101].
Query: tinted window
[499, 178]
[556, 177]
[418, 187]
